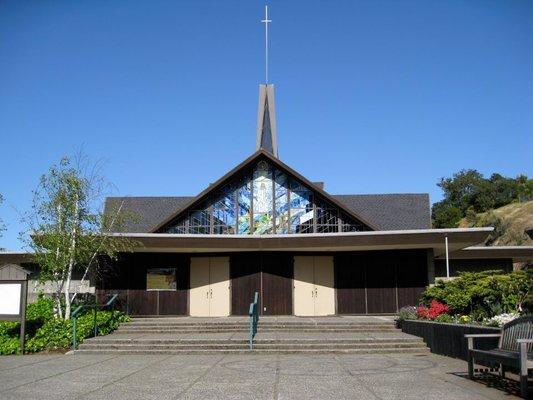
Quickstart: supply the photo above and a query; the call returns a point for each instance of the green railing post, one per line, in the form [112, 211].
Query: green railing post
[94, 307]
[74, 326]
[95, 327]
[254, 319]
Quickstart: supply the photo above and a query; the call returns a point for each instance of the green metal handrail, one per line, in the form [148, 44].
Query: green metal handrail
[76, 313]
[254, 318]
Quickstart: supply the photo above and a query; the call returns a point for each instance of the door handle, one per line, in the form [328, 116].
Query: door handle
[211, 292]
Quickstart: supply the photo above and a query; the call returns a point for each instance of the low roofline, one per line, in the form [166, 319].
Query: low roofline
[515, 253]
[292, 235]
[15, 257]
[458, 238]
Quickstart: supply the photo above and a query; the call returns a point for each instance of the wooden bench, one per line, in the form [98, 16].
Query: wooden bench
[515, 350]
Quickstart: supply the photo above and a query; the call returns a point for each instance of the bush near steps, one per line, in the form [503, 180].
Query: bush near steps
[46, 332]
[488, 298]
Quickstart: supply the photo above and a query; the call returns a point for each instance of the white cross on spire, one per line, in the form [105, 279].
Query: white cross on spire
[266, 21]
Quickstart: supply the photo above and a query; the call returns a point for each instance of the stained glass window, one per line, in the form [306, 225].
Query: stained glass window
[265, 200]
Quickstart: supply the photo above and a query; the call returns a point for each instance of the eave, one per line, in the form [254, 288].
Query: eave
[514, 253]
[325, 242]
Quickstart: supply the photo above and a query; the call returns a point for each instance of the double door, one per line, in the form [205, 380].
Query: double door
[209, 287]
[314, 292]
[268, 274]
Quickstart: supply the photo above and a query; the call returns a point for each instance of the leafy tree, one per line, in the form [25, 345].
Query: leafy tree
[461, 189]
[69, 230]
[467, 192]
[445, 215]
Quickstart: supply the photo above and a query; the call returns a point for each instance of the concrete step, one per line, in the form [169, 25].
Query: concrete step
[107, 340]
[391, 350]
[135, 337]
[236, 346]
[178, 331]
[229, 321]
[130, 325]
[245, 323]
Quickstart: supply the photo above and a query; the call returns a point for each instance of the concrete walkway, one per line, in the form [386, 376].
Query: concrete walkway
[246, 376]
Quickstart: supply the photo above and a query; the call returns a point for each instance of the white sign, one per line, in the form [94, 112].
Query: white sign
[10, 298]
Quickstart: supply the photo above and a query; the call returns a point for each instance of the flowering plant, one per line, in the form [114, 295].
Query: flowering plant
[435, 309]
[501, 319]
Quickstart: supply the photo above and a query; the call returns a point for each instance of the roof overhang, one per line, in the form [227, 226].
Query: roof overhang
[352, 241]
[15, 257]
[515, 253]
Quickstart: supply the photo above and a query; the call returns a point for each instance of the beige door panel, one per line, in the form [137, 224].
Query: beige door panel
[199, 292]
[219, 291]
[324, 286]
[303, 286]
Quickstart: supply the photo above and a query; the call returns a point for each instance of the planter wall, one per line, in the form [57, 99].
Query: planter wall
[449, 339]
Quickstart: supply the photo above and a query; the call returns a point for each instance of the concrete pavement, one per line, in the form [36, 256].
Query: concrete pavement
[246, 376]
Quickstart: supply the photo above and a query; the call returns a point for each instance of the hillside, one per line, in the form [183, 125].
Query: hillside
[510, 222]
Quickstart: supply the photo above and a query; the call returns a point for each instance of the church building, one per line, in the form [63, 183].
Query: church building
[263, 227]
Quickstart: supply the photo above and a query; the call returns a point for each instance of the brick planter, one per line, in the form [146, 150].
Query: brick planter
[448, 339]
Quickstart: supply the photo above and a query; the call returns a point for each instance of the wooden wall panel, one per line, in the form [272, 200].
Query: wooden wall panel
[245, 276]
[350, 284]
[412, 277]
[127, 276]
[277, 274]
[393, 279]
[142, 302]
[172, 303]
[381, 283]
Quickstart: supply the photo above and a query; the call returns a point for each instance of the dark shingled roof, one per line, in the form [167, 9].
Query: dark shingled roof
[389, 212]
[385, 211]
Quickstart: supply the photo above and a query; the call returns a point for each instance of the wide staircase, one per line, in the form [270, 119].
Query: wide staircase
[188, 335]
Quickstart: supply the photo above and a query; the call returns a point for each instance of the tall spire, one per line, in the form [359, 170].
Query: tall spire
[266, 21]
[266, 112]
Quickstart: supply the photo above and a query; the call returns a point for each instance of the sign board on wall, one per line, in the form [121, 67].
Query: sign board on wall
[10, 298]
[13, 296]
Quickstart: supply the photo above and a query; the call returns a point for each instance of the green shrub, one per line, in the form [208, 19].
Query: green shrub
[46, 332]
[445, 318]
[483, 294]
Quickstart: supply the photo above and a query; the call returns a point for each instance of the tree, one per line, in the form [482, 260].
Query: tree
[461, 189]
[69, 230]
[467, 192]
[445, 215]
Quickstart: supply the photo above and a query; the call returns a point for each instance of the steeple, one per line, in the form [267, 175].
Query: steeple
[266, 114]
[266, 121]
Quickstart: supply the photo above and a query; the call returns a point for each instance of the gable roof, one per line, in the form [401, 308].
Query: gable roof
[384, 211]
[255, 157]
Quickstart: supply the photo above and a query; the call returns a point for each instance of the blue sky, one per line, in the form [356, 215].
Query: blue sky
[372, 96]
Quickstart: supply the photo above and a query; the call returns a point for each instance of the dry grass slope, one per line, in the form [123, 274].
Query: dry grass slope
[518, 217]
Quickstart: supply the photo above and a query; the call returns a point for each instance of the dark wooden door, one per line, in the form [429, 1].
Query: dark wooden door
[381, 283]
[350, 284]
[277, 274]
[245, 275]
